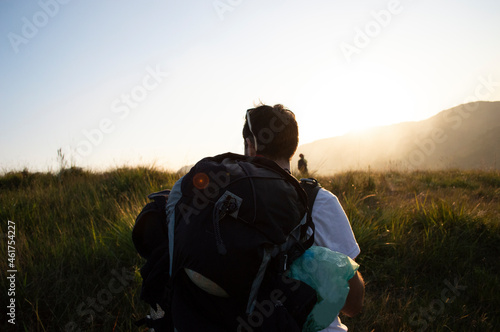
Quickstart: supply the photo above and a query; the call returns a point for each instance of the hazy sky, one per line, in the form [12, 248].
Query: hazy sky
[127, 82]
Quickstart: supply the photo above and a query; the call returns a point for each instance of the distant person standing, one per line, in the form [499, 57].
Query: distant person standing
[302, 165]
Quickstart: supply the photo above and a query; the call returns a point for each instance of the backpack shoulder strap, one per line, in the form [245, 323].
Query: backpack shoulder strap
[311, 186]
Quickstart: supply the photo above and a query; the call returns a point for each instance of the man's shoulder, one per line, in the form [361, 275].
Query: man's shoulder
[325, 195]
[327, 205]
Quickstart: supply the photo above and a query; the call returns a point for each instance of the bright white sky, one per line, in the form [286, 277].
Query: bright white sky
[77, 75]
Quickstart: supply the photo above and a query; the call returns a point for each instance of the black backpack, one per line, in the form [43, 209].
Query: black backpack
[150, 239]
[240, 222]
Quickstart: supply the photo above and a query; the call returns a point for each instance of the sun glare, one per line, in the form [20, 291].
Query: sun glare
[355, 100]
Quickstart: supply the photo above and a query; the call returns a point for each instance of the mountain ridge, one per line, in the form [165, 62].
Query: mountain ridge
[464, 137]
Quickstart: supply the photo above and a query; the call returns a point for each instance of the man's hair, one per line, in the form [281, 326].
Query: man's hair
[273, 129]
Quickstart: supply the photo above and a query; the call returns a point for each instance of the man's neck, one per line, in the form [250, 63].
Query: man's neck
[283, 163]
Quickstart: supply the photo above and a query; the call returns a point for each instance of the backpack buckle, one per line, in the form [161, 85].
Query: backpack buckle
[310, 181]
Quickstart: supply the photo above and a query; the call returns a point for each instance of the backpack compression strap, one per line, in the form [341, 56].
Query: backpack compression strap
[311, 188]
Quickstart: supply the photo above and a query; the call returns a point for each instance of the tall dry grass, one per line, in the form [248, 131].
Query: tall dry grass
[430, 243]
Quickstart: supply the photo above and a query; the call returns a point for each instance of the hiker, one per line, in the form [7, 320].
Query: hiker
[198, 302]
[235, 225]
[272, 132]
[302, 165]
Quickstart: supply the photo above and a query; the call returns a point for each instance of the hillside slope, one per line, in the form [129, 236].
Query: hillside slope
[465, 137]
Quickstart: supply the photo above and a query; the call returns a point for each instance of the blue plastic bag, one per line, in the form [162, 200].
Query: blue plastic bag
[328, 272]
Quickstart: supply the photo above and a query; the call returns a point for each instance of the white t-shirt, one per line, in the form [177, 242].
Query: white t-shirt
[333, 231]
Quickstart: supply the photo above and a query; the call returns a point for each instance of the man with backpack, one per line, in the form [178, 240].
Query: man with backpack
[235, 225]
[273, 133]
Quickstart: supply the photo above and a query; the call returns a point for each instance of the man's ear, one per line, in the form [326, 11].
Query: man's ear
[250, 150]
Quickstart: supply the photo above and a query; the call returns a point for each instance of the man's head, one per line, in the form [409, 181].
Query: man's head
[271, 132]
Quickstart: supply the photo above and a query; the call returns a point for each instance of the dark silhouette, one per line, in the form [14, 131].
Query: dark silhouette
[302, 164]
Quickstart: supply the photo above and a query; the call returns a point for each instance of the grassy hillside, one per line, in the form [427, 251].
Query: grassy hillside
[430, 243]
